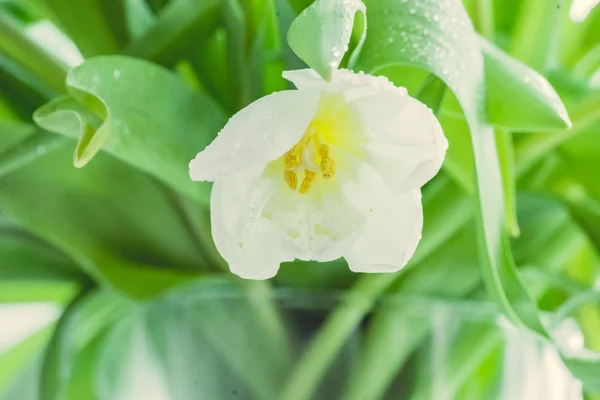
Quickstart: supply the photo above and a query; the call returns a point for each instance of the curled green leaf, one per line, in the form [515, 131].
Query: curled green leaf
[138, 112]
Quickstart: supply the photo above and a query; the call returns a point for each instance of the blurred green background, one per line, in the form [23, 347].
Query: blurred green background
[111, 288]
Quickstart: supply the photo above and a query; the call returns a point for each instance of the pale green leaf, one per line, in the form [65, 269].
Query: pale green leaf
[320, 35]
[518, 97]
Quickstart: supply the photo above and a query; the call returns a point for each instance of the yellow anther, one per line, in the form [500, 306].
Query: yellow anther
[291, 178]
[309, 177]
[328, 166]
[310, 151]
[292, 159]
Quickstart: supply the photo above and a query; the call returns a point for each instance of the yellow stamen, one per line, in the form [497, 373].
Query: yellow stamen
[309, 177]
[309, 146]
[291, 178]
[328, 166]
[292, 158]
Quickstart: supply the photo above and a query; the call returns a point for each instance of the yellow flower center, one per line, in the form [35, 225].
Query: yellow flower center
[309, 156]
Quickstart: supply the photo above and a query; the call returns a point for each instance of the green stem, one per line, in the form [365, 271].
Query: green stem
[342, 323]
[262, 302]
[235, 26]
[588, 64]
[485, 18]
[506, 157]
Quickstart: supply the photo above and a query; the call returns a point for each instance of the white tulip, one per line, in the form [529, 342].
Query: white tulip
[333, 169]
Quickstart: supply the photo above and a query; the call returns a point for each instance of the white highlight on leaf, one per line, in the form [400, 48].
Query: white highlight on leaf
[55, 42]
[18, 321]
[533, 369]
[580, 9]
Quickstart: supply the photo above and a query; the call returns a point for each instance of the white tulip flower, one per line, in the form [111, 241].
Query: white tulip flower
[333, 169]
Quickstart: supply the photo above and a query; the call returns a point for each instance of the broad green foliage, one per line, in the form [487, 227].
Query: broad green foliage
[98, 215]
[155, 127]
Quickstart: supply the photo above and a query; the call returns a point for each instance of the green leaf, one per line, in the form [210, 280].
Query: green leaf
[83, 380]
[504, 143]
[432, 93]
[534, 34]
[448, 272]
[439, 37]
[25, 258]
[19, 356]
[24, 89]
[583, 362]
[185, 342]
[268, 22]
[320, 35]
[24, 385]
[579, 158]
[459, 162]
[466, 346]
[28, 54]
[587, 214]
[447, 211]
[157, 128]
[77, 214]
[235, 29]
[12, 132]
[28, 150]
[38, 290]
[178, 28]
[518, 97]
[57, 362]
[33, 271]
[548, 234]
[86, 318]
[88, 24]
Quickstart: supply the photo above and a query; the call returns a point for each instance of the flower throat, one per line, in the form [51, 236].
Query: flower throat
[311, 157]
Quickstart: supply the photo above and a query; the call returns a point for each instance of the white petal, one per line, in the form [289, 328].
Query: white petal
[405, 142]
[400, 137]
[343, 80]
[319, 225]
[391, 236]
[259, 133]
[249, 243]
